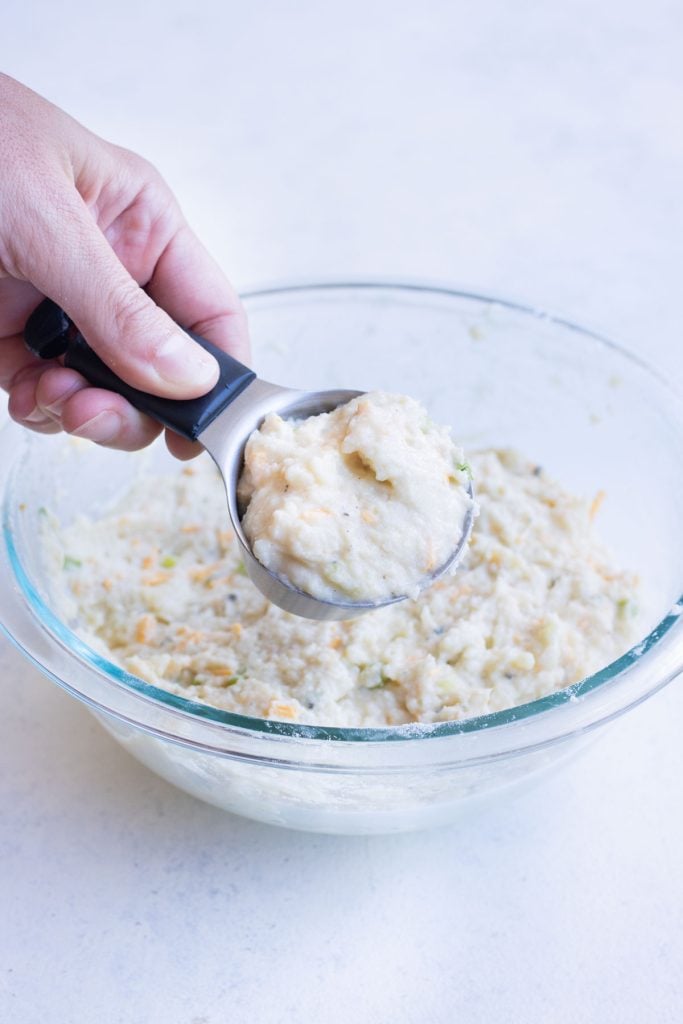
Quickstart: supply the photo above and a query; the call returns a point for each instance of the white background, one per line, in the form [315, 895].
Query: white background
[530, 149]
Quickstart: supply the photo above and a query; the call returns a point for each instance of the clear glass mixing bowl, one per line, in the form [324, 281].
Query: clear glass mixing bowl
[501, 374]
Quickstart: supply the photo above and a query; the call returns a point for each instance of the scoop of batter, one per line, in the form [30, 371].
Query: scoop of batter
[362, 503]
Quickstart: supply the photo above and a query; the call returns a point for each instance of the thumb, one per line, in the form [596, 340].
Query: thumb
[137, 339]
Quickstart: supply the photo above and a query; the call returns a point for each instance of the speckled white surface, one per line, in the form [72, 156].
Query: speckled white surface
[533, 150]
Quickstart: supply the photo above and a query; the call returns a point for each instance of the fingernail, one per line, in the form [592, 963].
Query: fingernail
[101, 428]
[182, 361]
[55, 408]
[36, 416]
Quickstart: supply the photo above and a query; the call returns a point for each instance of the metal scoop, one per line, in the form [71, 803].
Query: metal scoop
[221, 421]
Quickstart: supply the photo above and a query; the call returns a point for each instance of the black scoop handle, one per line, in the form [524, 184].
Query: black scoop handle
[50, 334]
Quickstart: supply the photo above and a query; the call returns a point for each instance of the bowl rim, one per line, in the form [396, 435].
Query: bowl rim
[234, 723]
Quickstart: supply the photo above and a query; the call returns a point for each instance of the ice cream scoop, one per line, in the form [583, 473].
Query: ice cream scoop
[222, 421]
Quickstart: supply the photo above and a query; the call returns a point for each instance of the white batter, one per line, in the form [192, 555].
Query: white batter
[362, 503]
[536, 605]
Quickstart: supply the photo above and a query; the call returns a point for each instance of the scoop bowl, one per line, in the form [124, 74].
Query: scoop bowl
[225, 439]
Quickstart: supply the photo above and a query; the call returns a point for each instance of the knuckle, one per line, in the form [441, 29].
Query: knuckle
[135, 318]
[141, 170]
[28, 372]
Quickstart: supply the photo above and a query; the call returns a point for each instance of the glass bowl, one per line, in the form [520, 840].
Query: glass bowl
[502, 375]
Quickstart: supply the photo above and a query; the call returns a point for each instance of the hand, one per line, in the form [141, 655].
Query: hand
[95, 228]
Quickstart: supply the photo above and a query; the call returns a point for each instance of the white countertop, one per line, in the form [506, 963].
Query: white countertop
[533, 151]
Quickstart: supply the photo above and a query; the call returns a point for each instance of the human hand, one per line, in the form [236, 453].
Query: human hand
[95, 228]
